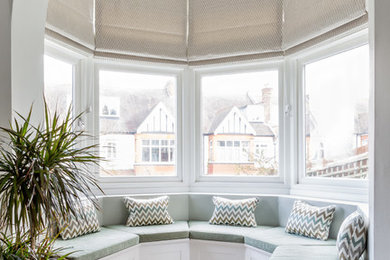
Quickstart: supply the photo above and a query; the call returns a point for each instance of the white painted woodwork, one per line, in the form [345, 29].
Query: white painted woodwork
[131, 253]
[186, 249]
[211, 250]
[252, 253]
[379, 129]
[166, 250]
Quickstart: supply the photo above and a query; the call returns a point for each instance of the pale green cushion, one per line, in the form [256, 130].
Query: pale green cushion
[97, 245]
[204, 231]
[177, 230]
[269, 240]
[305, 253]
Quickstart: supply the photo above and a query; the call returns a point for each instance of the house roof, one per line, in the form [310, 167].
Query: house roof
[134, 109]
[261, 128]
[219, 118]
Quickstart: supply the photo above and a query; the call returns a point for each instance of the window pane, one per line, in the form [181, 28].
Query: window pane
[138, 111]
[58, 85]
[164, 154]
[155, 155]
[146, 154]
[336, 117]
[239, 110]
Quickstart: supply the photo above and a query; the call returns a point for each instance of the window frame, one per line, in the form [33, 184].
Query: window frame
[147, 69]
[276, 64]
[76, 57]
[312, 55]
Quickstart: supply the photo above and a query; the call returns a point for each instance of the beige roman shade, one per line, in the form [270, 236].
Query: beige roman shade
[196, 31]
[307, 19]
[225, 28]
[149, 28]
[73, 19]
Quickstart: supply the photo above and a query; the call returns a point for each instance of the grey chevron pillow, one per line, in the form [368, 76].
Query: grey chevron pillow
[352, 237]
[234, 212]
[144, 212]
[84, 221]
[310, 221]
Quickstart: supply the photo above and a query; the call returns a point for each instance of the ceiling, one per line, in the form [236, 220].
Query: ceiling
[200, 30]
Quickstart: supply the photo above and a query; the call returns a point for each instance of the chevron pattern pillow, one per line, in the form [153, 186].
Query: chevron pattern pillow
[310, 221]
[84, 221]
[234, 212]
[144, 212]
[352, 237]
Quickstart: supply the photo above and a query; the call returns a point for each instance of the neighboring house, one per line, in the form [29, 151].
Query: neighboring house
[240, 141]
[137, 134]
[361, 133]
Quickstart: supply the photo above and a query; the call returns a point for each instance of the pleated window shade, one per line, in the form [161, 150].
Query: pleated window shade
[199, 30]
[149, 28]
[307, 19]
[72, 19]
[223, 28]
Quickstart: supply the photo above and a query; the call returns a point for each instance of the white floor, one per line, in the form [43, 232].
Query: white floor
[186, 249]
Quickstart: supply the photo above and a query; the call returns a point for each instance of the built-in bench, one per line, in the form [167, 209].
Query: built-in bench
[181, 240]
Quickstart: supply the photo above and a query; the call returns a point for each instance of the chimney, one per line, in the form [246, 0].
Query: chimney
[266, 100]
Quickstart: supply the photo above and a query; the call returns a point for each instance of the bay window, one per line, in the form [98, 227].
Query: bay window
[137, 112]
[335, 101]
[299, 120]
[58, 85]
[240, 113]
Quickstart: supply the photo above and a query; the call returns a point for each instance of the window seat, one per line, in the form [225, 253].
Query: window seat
[191, 232]
[202, 230]
[177, 230]
[270, 239]
[297, 252]
[97, 245]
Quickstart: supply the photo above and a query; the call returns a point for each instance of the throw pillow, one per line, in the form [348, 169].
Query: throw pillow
[234, 212]
[84, 221]
[144, 212]
[310, 221]
[352, 237]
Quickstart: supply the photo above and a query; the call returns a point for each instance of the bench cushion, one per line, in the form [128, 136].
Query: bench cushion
[204, 231]
[177, 230]
[97, 245]
[305, 253]
[269, 240]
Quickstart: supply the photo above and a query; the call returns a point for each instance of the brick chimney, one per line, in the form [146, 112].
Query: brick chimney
[266, 100]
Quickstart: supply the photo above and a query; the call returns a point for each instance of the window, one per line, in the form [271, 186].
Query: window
[240, 115]
[158, 151]
[336, 115]
[138, 115]
[109, 150]
[58, 83]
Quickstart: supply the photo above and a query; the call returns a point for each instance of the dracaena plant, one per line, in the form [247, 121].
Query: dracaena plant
[44, 173]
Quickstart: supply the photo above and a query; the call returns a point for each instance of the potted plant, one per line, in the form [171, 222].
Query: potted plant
[44, 174]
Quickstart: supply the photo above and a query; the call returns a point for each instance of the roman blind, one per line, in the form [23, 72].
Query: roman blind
[148, 28]
[73, 19]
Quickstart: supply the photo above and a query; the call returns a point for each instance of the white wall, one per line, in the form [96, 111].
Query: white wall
[379, 129]
[28, 29]
[5, 61]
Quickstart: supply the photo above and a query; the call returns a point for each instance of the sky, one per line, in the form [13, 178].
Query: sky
[57, 72]
[133, 81]
[238, 83]
[335, 86]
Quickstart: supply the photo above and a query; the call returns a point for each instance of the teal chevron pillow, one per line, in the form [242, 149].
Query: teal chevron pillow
[144, 212]
[234, 212]
[352, 237]
[310, 221]
[84, 221]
